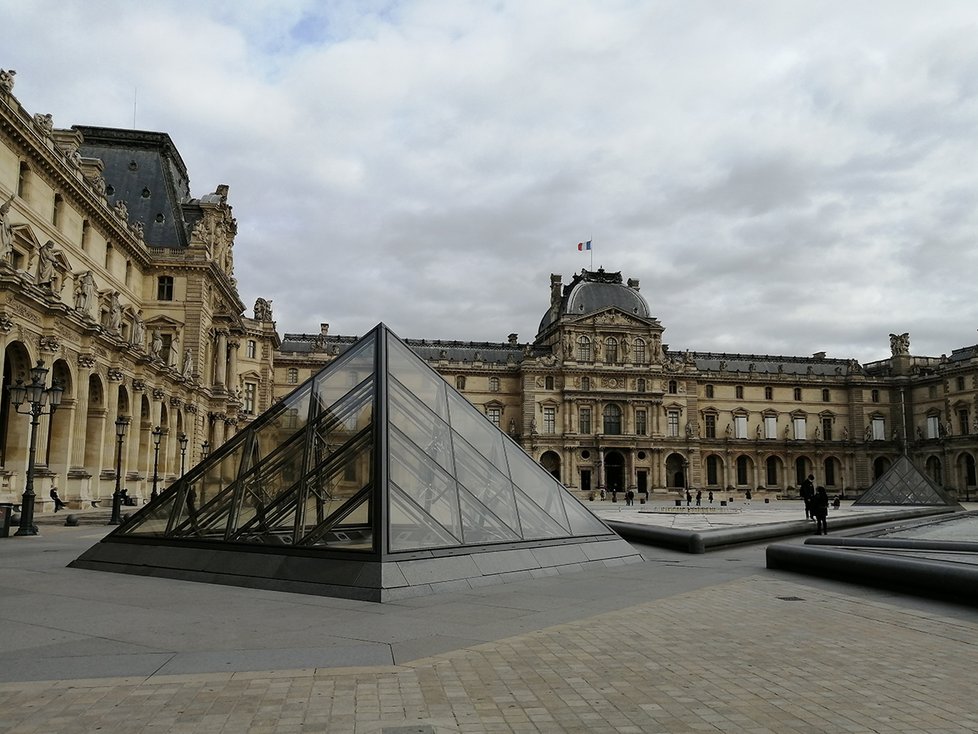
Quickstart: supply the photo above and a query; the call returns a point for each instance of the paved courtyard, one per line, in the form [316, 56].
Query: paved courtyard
[682, 643]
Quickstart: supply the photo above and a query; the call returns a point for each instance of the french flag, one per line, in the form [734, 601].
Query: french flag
[582, 246]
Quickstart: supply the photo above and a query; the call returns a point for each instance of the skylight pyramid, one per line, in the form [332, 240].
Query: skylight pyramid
[903, 484]
[373, 480]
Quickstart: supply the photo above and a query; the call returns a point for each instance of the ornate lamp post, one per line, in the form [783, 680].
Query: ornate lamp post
[158, 434]
[182, 438]
[121, 423]
[205, 449]
[36, 397]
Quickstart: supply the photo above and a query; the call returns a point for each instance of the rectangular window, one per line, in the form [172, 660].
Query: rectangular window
[251, 349]
[585, 480]
[640, 424]
[250, 391]
[879, 429]
[164, 288]
[549, 420]
[739, 392]
[673, 423]
[826, 395]
[770, 426]
[493, 384]
[711, 425]
[584, 420]
[740, 426]
[963, 428]
[933, 427]
[292, 376]
[800, 430]
[827, 429]
[495, 415]
[960, 382]
[830, 473]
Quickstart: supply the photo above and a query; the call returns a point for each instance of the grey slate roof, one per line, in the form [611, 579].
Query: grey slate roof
[144, 170]
[593, 291]
[427, 349]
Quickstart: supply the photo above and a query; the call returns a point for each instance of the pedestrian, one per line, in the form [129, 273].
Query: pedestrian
[820, 511]
[807, 494]
[58, 504]
[699, 497]
[711, 496]
[747, 497]
[629, 498]
[689, 498]
[614, 494]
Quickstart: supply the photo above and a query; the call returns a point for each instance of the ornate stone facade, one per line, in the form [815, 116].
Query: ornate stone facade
[129, 299]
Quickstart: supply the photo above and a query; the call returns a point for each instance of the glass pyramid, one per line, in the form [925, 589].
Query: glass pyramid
[374, 459]
[904, 484]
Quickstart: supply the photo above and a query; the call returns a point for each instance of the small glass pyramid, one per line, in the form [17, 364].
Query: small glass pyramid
[375, 459]
[904, 484]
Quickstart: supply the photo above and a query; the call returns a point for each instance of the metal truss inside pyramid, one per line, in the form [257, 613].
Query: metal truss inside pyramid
[373, 480]
[904, 484]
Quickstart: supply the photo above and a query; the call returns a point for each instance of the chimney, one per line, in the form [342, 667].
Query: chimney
[323, 329]
[512, 339]
[554, 289]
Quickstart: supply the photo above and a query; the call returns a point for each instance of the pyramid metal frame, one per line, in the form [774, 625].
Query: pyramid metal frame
[305, 501]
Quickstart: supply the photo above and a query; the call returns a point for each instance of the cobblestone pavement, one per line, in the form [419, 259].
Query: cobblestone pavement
[759, 654]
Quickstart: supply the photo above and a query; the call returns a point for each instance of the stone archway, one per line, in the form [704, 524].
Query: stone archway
[13, 433]
[614, 471]
[880, 466]
[551, 462]
[675, 471]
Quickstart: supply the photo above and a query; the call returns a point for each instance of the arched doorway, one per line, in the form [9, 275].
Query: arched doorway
[933, 468]
[880, 467]
[772, 471]
[802, 469]
[13, 432]
[551, 462]
[614, 471]
[675, 471]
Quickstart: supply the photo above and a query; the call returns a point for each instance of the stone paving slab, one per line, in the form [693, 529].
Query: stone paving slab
[758, 654]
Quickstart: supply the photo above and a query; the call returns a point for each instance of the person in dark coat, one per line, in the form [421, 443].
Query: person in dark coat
[807, 494]
[689, 498]
[820, 511]
[58, 504]
[699, 497]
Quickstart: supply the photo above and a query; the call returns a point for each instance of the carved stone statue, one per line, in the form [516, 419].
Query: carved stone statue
[900, 344]
[45, 122]
[156, 348]
[263, 310]
[757, 433]
[122, 210]
[869, 433]
[114, 321]
[7, 80]
[6, 231]
[85, 292]
[845, 433]
[171, 358]
[138, 331]
[188, 362]
[45, 264]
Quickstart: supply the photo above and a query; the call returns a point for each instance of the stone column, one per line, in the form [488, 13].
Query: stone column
[220, 359]
[232, 374]
[600, 468]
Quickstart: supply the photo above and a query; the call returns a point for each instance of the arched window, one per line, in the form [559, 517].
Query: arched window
[742, 466]
[585, 383]
[611, 350]
[612, 420]
[460, 383]
[493, 384]
[673, 387]
[797, 393]
[875, 396]
[712, 470]
[583, 349]
[769, 393]
[293, 376]
[640, 351]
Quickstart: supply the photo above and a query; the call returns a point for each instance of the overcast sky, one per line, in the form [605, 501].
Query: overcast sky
[783, 177]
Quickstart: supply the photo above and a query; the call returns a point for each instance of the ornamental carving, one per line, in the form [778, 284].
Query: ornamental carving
[139, 385]
[115, 374]
[158, 393]
[49, 343]
[190, 408]
[86, 361]
[7, 80]
[611, 382]
[175, 402]
[44, 122]
[6, 324]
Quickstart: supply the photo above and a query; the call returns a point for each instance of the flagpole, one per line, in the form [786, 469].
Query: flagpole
[592, 252]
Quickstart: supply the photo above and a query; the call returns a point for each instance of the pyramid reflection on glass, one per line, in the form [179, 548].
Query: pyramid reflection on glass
[904, 484]
[373, 480]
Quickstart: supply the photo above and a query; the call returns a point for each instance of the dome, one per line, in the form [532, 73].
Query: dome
[593, 291]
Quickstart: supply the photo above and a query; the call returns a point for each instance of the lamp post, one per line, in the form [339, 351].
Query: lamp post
[205, 449]
[37, 397]
[182, 438]
[158, 434]
[121, 423]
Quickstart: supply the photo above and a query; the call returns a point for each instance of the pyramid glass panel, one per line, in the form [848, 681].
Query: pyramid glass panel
[153, 520]
[539, 486]
[349, 370]
[486, 483]
[412, 528]
[427, 484]
[534, 520]
[420, 425]
[425, 383]
[480, 524]
[475, 428]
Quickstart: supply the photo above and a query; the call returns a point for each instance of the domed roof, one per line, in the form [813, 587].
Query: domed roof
[593, 291]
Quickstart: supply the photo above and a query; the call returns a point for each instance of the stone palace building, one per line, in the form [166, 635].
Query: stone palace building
[122, 283]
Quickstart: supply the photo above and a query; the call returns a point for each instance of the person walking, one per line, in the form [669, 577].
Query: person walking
[689, 498]
[820, 511]
[699, 497]
[747, 496]
[629, 498]
[807, 494]
[711, 496]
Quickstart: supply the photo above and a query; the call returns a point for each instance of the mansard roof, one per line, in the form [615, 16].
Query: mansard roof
[773, 365]
[144, 170]
[430, 350]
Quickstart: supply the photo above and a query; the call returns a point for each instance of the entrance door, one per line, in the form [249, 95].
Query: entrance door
[614, 471]
[643, 481]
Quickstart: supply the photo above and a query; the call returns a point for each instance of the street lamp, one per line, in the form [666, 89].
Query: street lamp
[205, 449]
[37, 397]
[121, 423]
[182, 438]
[158, 434]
